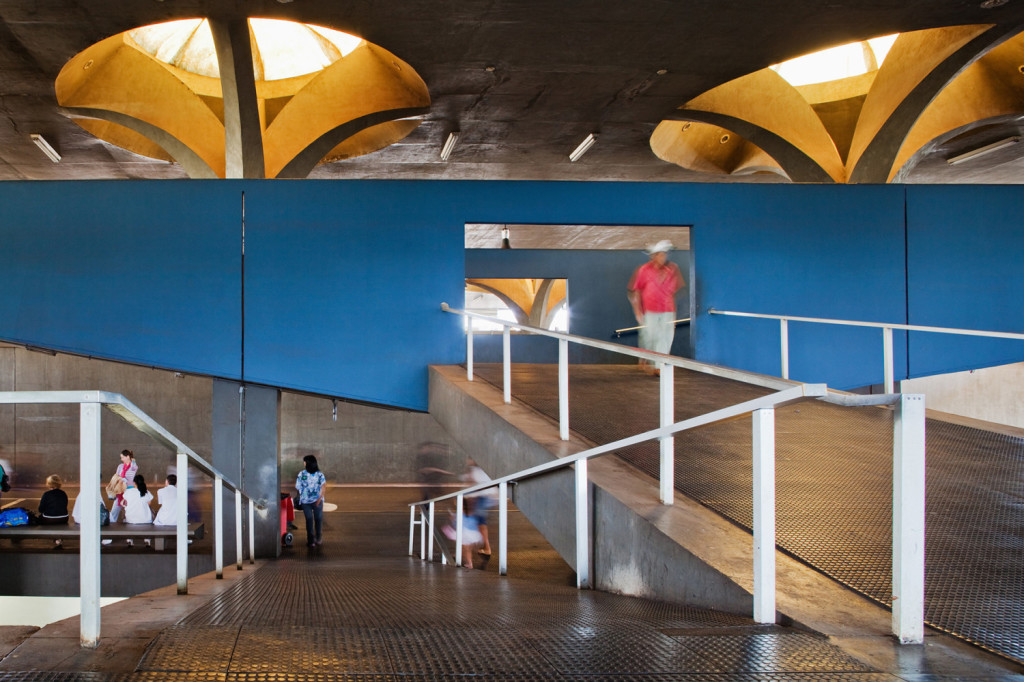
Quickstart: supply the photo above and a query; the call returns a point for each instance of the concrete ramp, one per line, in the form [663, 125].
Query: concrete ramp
[684, 553]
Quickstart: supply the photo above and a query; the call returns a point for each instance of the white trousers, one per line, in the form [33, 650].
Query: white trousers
[658, 332]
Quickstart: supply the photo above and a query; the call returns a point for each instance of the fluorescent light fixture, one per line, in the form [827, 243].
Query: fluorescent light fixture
[449, 145]
[582, 149]
[981, 151]
[45, 146]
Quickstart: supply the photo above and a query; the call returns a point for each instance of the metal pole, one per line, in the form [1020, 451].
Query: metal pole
[503, 528]
[238, 529]
[908, 519]
[668, 443]
[784, 342]
[563, 389]
[764, 515]
[887, 354]
[218, 523]
[469, 352]
[252, 532]
[181, 521]
[506, 354]
[89, 539]
[458, 530]
[430, 550]
[582, 527]
[423, 533]
[412, 530]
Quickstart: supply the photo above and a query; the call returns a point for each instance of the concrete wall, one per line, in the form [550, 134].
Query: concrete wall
[56, 574]
[636, 547]
[39, 440]
[365, 444]
[992, 394]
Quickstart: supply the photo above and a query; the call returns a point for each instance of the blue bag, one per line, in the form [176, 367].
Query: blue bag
[14, 517]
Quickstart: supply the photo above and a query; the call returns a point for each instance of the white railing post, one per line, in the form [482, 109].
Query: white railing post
[784, 345]
[667, 481]
[430, 550]
[888, 378]
[412, 530]
[469, 351]
[218, 523]
[506, 355]
[563, 389]
[503, 528]
[908, 519]
[764, 515]
[252, 532]
[582, 526]
[89, 554]
[181, 520]
[238, 529]
[458, 530]
[423, 533]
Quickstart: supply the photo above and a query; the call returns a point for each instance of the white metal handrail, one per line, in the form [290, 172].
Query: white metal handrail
[665, 363]
[886, 327]
[89, 463]
[908, 477]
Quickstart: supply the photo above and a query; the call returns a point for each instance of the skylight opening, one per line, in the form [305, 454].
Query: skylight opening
[286, 48]
[836, 63]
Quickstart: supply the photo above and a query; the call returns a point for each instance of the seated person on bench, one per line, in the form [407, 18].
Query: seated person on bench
[53, 505]
[167, 515]
[136, 504]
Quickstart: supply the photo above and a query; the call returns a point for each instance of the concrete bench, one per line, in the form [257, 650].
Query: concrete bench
[158, 534]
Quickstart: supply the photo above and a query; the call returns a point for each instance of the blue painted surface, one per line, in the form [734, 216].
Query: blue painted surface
[597, 300]
[343, 280]
[344, 287]
[144, 272]
[809, 251]
[966, 269]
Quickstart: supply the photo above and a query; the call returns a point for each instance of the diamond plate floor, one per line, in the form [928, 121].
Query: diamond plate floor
[359, 610]
[326, 614]
[834, 473]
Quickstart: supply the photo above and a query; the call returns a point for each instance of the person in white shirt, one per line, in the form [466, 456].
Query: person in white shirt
[136, 504]
[167, 515]
[137, 499]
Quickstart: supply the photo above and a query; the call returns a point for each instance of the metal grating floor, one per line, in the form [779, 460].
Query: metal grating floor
[834, 473]
[326, 616]
[359, 610]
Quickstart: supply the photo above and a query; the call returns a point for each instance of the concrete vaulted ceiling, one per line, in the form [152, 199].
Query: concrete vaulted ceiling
[524, 82]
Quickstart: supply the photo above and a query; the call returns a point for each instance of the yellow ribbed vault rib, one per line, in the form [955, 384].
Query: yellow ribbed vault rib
[865, 128]
[360, 103]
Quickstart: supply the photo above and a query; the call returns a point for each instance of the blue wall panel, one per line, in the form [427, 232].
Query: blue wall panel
[344, 283]
[966, 270]
[343, 280]
[144, 272]
[810, 251]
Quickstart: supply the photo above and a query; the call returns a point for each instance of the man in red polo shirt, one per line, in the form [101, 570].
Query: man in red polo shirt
[652, 291]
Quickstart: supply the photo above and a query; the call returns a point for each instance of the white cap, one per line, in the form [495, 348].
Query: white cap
[663, 246]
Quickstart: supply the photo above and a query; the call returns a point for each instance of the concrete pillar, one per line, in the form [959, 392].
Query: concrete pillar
[245, 447]
[243, 132]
